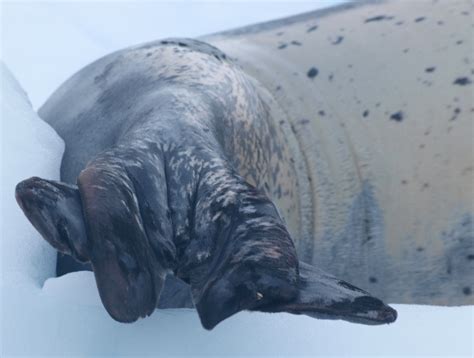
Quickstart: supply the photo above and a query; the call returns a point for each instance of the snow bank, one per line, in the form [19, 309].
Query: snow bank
[29, 148]
[67, 318]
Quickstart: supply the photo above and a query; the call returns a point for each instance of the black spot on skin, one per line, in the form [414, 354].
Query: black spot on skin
[457, 111]
[430, 69]
[404, 182]
[148, 54]
[338, 40]
[282, 46]
[365, 113]
[304, 121]
[398, 116]
[462, 81]
[349, 66]
[399, 23]
[466, 291]
[440, 23]
[378, 18]
[312, 72]
[420, 249]
[470, 257]
[322, 113]
[459, 42]
[312, 28]
[372, 279]
[278, 88]
[296, 43]
[425, 186]
[465, 13]
[420, 19]
[331, 77]
[406, 50]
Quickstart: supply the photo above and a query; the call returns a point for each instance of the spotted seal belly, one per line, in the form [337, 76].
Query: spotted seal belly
[378, 95]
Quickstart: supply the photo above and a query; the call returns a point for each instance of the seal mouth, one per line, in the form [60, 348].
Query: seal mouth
[364, 310]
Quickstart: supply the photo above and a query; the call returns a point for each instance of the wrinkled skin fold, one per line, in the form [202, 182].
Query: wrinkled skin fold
[165, 197]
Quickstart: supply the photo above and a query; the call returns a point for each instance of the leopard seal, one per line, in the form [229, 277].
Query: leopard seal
[221, 161]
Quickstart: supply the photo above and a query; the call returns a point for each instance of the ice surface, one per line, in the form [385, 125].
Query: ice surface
[66, 317]
[29, 148]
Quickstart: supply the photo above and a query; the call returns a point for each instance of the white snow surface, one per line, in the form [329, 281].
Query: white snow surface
[44, 43]
[30, 147]
[65, 316]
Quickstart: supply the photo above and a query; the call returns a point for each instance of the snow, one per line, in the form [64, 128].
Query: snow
[29, 148]
[66, 317]
[44, 45]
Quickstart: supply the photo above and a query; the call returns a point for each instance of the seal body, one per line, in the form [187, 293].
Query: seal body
[185, 161]
[379, 96]
[360, 131]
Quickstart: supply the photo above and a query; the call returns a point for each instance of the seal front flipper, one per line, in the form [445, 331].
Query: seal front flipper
[55, 210]
[123, 192]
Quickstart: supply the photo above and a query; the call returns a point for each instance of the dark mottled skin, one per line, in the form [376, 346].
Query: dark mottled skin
[176, 159]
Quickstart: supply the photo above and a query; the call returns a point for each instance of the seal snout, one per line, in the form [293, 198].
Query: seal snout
[373, 310]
